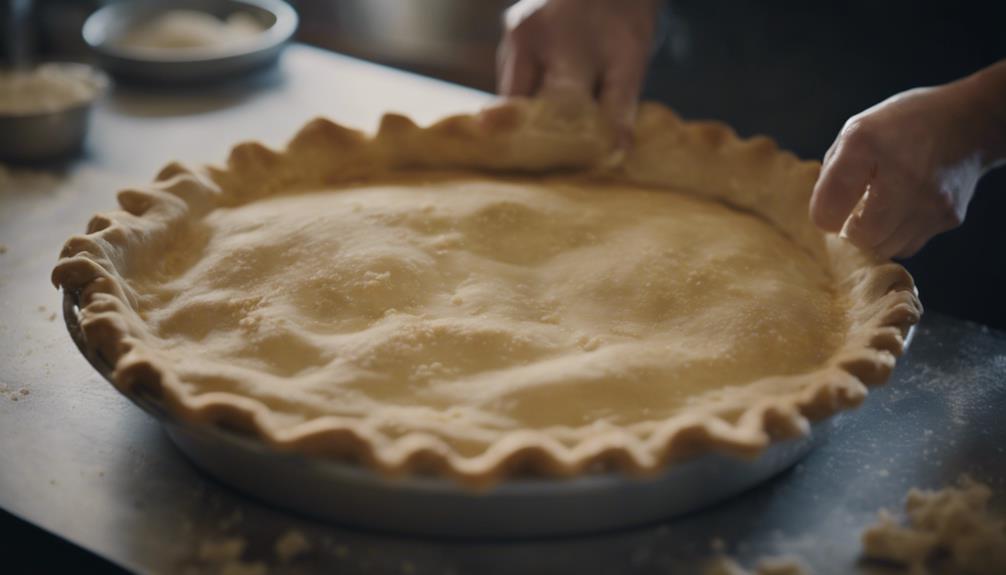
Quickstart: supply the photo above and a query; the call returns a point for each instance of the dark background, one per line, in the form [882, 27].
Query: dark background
[797, 71]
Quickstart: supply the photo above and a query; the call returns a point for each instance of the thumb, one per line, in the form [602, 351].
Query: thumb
[619, 100]
[841, 185]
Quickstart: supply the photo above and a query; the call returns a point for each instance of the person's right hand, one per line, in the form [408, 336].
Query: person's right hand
[905, 170]
[593, 48]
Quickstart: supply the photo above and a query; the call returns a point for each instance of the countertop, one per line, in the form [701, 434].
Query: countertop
[79, 460]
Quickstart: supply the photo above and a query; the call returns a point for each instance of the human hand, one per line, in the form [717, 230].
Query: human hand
[581, 48]
[905, 170]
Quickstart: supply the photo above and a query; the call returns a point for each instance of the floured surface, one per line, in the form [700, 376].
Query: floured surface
[487, 305]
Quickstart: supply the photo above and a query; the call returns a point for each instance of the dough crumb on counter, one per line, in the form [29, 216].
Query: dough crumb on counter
[950, 530]
[222, 549]
[723, 565]
[290, 545]
[223, 556]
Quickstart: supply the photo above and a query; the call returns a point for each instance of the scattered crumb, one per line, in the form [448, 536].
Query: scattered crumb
[52, 316]
[723, 565]
[222, 549]
[244, 568]
[290, 545]
[950, 530]
[24, 391]
[231, 520]
[42, 308]
[224, 556]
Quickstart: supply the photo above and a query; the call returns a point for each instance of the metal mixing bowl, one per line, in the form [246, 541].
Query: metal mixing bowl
[27, 137]
[105, 27]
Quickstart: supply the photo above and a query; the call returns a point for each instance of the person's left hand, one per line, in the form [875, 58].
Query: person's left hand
[588, 49]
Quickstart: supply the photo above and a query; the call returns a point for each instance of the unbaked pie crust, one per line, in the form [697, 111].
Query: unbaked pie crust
[490, 295]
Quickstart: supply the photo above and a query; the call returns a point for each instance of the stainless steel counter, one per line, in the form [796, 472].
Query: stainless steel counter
[81, 461]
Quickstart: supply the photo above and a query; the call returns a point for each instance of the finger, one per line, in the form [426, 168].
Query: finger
[904, 235]
[876, 217]
[913, 247]
[619, 99]
[568, 79]
[830, 153]
[517, 70]
[840, 186]
[927, 225]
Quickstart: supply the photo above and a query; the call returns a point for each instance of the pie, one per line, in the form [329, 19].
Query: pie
[492, 295]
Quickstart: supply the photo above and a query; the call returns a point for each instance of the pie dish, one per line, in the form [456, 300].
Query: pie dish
[493, 295]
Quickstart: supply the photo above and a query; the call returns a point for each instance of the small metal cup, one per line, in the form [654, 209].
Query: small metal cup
[50, 134]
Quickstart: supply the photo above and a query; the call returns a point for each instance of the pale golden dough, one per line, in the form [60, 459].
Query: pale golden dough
[951, 530]
[465, 306]
[491, 295]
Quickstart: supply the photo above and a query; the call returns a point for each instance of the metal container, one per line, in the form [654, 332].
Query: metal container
[352, 495]
[167, 67]
[49, 134]
[430, 32]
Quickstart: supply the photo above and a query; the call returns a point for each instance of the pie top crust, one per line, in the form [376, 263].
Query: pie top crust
[490, 295]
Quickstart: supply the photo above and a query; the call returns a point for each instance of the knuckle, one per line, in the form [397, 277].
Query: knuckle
[860, 232]
[949, 217]
[860, 131]
[517, 25]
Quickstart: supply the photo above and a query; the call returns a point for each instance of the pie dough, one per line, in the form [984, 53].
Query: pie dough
[951, 530]
[490, 295]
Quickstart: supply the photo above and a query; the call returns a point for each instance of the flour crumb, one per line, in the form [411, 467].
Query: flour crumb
[244, 568]
[950, 530]
[224, 557]
[231, 520]
[290, 545]
[222, 549]
[52, 316]
[24, 391]
[723, 565]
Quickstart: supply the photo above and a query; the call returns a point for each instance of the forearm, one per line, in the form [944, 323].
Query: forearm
[986, 91]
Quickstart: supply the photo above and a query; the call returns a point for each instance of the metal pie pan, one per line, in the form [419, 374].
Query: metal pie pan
[352, 495]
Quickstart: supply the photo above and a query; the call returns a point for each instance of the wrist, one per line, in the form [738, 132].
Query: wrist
[985, 98]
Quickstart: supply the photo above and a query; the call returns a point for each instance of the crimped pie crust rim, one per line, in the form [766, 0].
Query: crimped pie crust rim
[518, 136]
